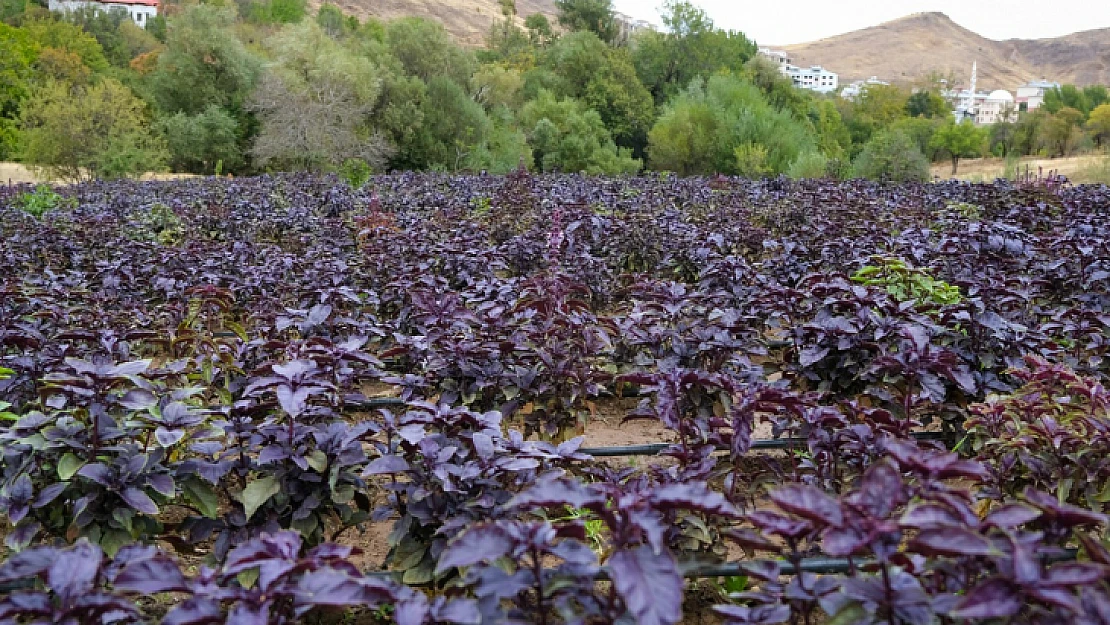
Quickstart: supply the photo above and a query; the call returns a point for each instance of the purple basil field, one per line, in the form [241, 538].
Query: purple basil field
[554, 399]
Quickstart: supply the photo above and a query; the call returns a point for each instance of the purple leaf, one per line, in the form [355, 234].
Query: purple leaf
[293, 402]
[134, 367]
[73, 573]
[195, 611]
[1011, 516]
[483, 543]
[139, 500]
[97, 472]
[992, 599]
[152, 575]
[951, 541]
[29, 563]
[386, 465]
[650, 585]
[809, 503]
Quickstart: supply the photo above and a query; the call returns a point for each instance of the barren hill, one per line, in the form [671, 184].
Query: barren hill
[467, 20]
[911, 47]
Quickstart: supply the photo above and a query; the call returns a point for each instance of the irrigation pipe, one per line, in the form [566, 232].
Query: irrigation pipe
[654, 449]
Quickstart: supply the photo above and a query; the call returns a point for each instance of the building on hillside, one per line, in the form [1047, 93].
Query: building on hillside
[1030, 96]
[814, 78]
[629, 25]
[778, 57]
[140, 11]
[855, 88]
[998, 106]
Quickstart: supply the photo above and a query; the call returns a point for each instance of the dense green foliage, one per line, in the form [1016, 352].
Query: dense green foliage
[891, 157]
[715, 126]
[261, 85]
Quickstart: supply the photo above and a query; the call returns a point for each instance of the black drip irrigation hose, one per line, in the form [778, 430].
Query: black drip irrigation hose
[654, 449]
[815, 565]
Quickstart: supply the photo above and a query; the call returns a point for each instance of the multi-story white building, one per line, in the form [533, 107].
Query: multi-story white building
[814, 78]
[998, 106]
[778, 57]
[140, 11]
[1030, 96]
[854, 89]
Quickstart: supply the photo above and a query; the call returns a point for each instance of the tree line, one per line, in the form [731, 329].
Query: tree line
[244, 86]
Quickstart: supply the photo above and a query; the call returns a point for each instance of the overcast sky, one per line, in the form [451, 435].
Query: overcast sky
[772, 22]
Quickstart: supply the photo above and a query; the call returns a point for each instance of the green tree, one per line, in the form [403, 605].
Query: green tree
[832, 135]
[11, 10]
[1002, 141]
[925, 103]
[495, 86]
[101, 131]
[921, 130]
[594, 16]
[539, 29]
[399, 116]
[331, 20]
[958, 141]
[204, 63]
[17, 55]
[1098, 124]
[1027, 131]
[504, 149]
[426, 51]
[314, 103]
[50, 33]
[288, 11]
[1096, 96]
[454, 126]
[604, 79]
[197, 143]
[876, 108]
[1060, 132]
[702, 129]
[891, 157]
[691, 46]
[62, 66]
[779, 90]
[1066, 96]
[566, 136]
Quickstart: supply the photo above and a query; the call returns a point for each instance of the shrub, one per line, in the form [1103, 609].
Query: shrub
[891, 157]
[355, 172]
[810, 165]
[43, 199]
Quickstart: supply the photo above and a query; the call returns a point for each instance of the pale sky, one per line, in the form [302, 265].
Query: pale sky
[772, 22]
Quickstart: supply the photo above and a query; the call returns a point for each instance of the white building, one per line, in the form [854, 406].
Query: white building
[778, 57]
[998, 106]
[1030, 96]
[629, 25]
[854, 89]
[814, 78]
[140, 11]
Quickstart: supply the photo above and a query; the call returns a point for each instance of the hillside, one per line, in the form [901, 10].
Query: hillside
[467, 20]
[909, 48]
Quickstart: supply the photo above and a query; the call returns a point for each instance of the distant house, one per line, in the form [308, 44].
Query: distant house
[629, 25]
[140, 11]
[778, 57]
[814, 78]
[998, 106]
[1030, 96]
[854, 89]
[983, 108]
